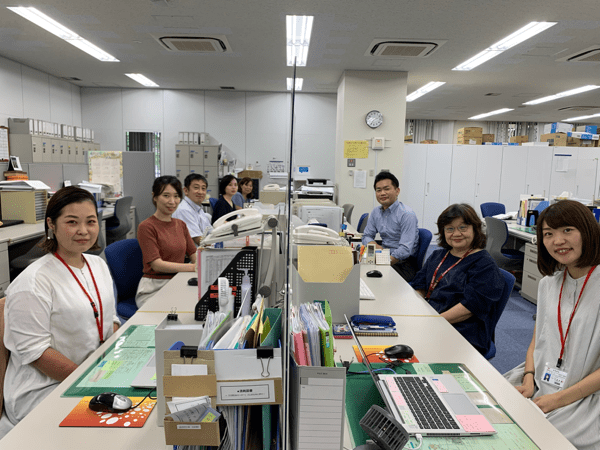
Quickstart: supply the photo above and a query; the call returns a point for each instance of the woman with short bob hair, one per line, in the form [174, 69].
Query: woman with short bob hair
[461, 281]
[561, 372]
[227, 189]
[59, 309]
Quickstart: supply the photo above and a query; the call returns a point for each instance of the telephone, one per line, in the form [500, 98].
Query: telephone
[311, 234]
[271, 187]
[249, 221]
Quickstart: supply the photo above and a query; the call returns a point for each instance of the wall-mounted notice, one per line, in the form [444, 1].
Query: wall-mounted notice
[107, 168]
[356, 149]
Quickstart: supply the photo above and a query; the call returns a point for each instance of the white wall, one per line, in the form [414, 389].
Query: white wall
[33, 94]
[254, 127]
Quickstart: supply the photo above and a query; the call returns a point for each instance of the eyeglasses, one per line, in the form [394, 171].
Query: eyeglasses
[461, 229]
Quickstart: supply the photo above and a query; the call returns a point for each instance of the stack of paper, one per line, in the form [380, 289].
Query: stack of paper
[312, 338]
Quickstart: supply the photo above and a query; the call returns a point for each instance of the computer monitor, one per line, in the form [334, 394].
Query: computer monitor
[329, 215]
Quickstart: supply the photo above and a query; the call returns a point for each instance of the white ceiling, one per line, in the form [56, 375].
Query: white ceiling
[342, 32]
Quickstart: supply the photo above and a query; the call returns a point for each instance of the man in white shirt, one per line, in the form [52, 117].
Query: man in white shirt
[190, 209]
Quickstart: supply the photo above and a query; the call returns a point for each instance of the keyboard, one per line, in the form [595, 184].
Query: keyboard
[427, 408]
[365, 292]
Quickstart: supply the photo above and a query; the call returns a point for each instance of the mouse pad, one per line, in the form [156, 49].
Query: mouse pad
[375, 354]
[83, 416]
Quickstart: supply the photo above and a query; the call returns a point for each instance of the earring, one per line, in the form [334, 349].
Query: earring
[50, 234]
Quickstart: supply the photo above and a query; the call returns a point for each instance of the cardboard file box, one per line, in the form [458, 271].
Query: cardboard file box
[29, 206]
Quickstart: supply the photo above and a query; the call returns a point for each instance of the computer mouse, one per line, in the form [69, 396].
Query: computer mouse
[374, 274]
[399, 351]
[110, 402]
[193, 281]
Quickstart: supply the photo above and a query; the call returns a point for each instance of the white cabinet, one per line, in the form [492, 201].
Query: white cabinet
[587, 173]
[464, 169]
[564, 170]
[513, 176]
[539, 166]
[531, 275]
[412, 188]
[487, 178]
[437, 184]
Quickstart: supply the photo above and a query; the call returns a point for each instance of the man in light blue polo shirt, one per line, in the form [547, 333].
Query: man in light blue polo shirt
[190, 209]
[396, 223]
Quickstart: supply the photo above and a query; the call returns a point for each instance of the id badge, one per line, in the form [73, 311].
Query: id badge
[554, 376]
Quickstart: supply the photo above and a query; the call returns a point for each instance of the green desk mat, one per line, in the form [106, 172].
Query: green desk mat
[364, 394]
[138, 339]
[525, 229]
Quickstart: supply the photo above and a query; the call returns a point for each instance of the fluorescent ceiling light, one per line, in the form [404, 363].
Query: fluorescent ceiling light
[510, 41]
[299, 83]
[142, 79]
[424, 90]
[577, 119]
[562, 94]
[51, 25]
[491, 113]
[298, 31]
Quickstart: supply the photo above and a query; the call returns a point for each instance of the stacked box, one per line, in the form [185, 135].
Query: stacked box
[519, 139]
[593, 129]
[429, 141]
[557, 127]
[560, 140]
[471, 132]
[487, 138]
[408, 138]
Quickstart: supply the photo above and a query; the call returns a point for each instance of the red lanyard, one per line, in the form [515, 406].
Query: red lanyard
[563, 339]
[99, 317]
[435, 282]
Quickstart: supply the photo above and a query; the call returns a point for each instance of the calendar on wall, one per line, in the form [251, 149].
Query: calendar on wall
[107, 168]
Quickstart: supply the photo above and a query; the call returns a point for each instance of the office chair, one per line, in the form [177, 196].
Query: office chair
[101, 238]
[497, 235]
[213, 202]
[125, 261]
[509, 282]
[4, 353]
[348, 208]
[20, 263]
[119, 225]
[362, 222]
[491, 209]
[424, 241]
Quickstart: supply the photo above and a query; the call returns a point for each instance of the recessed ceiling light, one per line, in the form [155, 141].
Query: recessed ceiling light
[298, 31]
[577, 119]
[562, 94]
[142, 79]
[299, 83]
[491, 113]
[424, 90]
[517, 37]
[57, 29]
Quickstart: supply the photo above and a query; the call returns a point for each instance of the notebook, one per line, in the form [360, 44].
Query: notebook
[430, 405]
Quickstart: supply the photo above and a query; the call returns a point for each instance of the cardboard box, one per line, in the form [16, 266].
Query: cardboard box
[469, 140]
[560, 140]
[588, 143]
[593, 129]
[429, 141]
[471, 132]
[250, 174]
[557, 127]
[487, 137]
[519, 139]
[408, 138]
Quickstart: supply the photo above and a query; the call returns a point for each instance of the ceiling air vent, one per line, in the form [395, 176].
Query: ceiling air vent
[400, 48]
[228, 88]
[578, 108]
[590, 54]
[70, 78]
[194, 43]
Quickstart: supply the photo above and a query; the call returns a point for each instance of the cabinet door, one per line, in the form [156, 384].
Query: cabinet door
[211, 155]
[182, 155]
[46, 150]
[587, 173]
[36, 148]
[437, 184]
[487, 178]
[181, 172]
[539, 165]
[196, 155]
[412, 186]
[564, 170]
[513, 178]
[464, 169]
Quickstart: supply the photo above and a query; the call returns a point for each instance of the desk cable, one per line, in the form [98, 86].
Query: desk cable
[147, 396]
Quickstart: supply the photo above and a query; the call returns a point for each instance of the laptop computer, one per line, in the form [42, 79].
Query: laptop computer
[146, 378]
[430, 405]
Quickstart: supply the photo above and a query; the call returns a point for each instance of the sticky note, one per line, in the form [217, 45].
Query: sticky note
[475, 423]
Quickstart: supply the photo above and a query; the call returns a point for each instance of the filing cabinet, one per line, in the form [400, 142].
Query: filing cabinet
[531, 274]
[201, 159]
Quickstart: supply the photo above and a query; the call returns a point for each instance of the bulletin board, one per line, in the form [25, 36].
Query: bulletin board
[107, 168]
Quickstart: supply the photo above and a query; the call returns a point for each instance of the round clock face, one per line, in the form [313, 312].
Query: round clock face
[374, 119]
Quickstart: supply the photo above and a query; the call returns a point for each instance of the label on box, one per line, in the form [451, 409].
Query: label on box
[188, 427]
[246, 392]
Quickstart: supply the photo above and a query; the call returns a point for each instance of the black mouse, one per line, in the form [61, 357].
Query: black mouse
[193, 281]
[374, 274]
[110, 402]
[399, 351]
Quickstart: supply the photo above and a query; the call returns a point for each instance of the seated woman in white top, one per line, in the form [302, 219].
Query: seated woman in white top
[59, 309]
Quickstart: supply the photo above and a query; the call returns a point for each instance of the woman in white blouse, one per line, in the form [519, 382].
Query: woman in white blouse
[59, 309]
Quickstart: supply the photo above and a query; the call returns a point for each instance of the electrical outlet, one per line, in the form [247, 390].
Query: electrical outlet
[351, 172]
[351, 162]
[371, 172]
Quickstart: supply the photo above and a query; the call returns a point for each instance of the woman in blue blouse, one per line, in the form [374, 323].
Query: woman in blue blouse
[461, 281]
[227, 189]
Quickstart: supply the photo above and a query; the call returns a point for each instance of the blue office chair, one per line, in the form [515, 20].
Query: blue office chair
[491, 209]
[362, 222]
[424, 241]
[125, 261]
[509, 282]
[497, 235]
[119, 225]
[213, 202]
[539, 208]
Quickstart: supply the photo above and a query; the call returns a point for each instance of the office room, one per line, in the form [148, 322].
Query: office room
[364, 61]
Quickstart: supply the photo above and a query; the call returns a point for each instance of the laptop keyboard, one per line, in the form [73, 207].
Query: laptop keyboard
[365, 292]
[428, 410]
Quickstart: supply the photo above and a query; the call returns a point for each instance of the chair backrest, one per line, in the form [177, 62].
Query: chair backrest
[101, 238]
[213, 202]
[125, 261]
[509, 282]
[424, 240]
[348, 208]
[4, 353]
[122, 211]
[497, 235]
[492, 208]
[362, 222]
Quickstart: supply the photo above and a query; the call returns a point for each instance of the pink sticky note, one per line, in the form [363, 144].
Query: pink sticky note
[439, 385]
[475, 423]
[392, 384]
[398, 398]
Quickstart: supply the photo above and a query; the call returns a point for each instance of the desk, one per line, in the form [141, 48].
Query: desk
[531, 274]
[431, 336]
